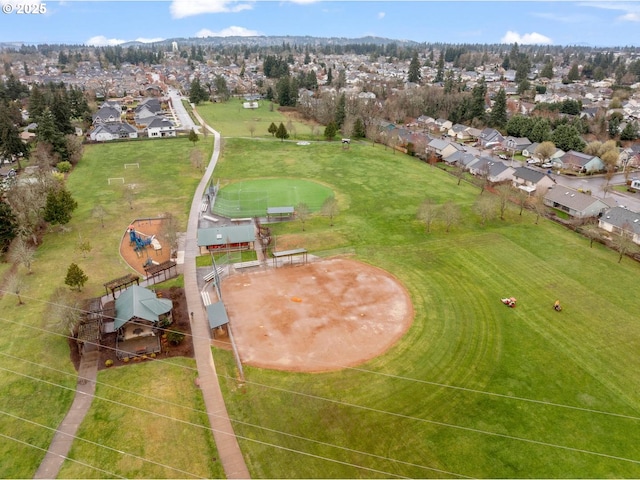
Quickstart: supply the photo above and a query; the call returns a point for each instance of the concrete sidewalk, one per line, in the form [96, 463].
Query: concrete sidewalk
[66, 432]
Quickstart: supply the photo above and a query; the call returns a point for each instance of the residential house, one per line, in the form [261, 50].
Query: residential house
[575, 203]
[443, 124]
[436, 146]
[581, 162]
[621, 221]
[105, 132]
[531, 180]
[490, 137]
[223, 238]
[459, 132]
[139, 313]
[107, 114]
[161, 127]
[495, 171]
[516, 144]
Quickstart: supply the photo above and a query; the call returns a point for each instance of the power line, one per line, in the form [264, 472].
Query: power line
[159, 400]
[70, 459]
[137, 457]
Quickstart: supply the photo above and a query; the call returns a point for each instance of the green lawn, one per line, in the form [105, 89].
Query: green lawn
[38, 380]
[232, 120]
[474, 388]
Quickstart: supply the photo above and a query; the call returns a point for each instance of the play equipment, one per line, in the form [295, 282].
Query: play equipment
[509, 302]
[557, 307]
[136, 239]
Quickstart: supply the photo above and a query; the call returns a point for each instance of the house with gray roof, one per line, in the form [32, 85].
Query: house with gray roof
[575, 203]
[531, 180]
[581, 162]
[621, 221]
[161, 127]
[105, 132]
[107, 114]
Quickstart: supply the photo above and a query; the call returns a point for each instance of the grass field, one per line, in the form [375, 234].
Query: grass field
[252, 198]
[232, 120]
[38, 380]
[473, 389]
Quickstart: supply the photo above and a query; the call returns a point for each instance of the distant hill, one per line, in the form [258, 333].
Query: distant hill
[270, 41]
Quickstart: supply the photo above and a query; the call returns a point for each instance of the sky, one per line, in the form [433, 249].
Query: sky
[603, 23]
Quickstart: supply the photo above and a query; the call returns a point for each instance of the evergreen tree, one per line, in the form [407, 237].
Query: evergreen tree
[630, 131]
[547, 70]
[281, 132]
[358, 129]
[60, 204]
[478, 100]
[574, 73]
[330, 131]
[193, 137]
[566, 137]
[498, 116]
[8, 226]
[440, 72]
[197, 93]
[272, 128]
[414, 69]
[329, 77]
[75, 278]
[11, 145]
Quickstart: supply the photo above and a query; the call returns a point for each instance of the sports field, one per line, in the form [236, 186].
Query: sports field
[252, 198]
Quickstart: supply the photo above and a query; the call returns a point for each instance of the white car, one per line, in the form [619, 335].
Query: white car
[547, 165]
[532, 161]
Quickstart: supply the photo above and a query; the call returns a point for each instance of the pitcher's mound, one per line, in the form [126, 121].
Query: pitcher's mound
[344, 313]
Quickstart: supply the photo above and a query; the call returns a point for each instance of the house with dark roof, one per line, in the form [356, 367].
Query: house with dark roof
[621, 221]
[516, 144]
[575, 203]
[581, 162]
[490, 137]
[107, 114]
[161, 127]
[105, 132]
[531, 180]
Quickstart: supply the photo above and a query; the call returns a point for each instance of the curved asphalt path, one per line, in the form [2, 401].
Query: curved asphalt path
[226, 442]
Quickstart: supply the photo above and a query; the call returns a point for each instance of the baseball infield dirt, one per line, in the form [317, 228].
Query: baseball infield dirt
[322, 316]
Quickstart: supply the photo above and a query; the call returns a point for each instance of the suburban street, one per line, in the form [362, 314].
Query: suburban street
[186, 123]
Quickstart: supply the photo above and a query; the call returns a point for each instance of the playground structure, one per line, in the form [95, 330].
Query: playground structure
[139, 240]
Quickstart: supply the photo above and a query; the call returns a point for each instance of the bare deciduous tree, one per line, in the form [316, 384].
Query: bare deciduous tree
[623, 242]
[22, 252]
[170, 231]
[196, 158]
[486, 207]
[330, 208]
[592, 232]
[450, 214]
[252, 128]
[99, 212]
[16, 285]
[65, 311]
[303, 213]
[427, 213]
[504, 192]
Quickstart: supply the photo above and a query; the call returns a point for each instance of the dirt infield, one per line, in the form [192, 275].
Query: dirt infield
[318, 317]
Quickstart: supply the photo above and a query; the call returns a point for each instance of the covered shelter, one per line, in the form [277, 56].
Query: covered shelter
[139, 315]
[218, 318]
[291, 254]
[227, 238]
[154, 270]
[279, 213]
[121, 283]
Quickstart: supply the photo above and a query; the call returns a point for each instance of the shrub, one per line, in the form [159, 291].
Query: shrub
[64, 167]
[126, 359]
[108, 363]
[175, 338]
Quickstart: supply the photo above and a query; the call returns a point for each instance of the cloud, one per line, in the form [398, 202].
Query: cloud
[381, 15]
[631, 10]
[149, 40]
[102, 41]
[526, 39]
[232, 31]
[189, 8]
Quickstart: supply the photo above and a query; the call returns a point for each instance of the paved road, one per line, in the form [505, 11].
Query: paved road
[186, 123]
[597, 183]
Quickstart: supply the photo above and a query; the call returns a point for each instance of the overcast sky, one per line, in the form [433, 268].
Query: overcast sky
[588, 23]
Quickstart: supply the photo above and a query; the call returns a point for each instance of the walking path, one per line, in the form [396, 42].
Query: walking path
[66, 432]
[228, 449]
[226, 442]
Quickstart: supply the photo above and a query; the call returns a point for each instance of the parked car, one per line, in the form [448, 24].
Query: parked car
[502, 156]
[532, 161]
[547, 165]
